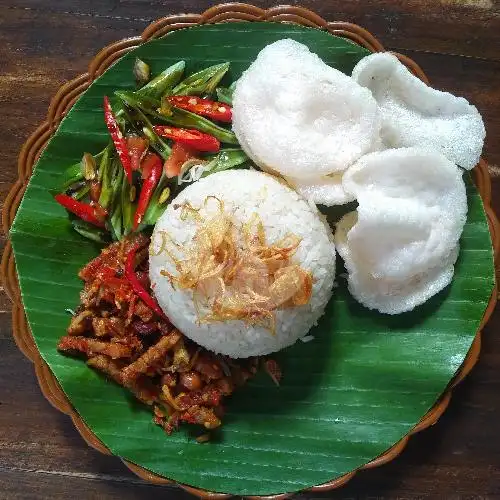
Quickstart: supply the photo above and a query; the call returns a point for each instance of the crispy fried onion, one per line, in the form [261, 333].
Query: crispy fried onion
[233, 272]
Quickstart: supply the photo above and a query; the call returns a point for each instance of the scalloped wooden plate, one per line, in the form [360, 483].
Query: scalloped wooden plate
[62, 103]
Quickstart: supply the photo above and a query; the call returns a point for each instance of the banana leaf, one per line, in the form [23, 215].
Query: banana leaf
[347, 396]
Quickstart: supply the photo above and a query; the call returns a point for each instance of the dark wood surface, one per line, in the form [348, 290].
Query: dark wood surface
[45, 42]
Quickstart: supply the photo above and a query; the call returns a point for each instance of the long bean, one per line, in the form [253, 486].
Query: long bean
[134, 114]
[128, 207]
[71, 176]
[225, 95]
[115, 220]
[155, 208]
[90, 232]
[163, 83]
[136, 111]
[203, 82]
[225, 160]
[74, 173]
[106, 177]
[116, 223]
[82, 192]
[177, 117]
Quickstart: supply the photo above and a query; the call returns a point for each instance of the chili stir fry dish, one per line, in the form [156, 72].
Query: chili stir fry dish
[216, 255]
[123, 334]
[161, 136]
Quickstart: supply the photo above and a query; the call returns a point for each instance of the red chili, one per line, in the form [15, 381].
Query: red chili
[136, 147]
[273, 370]
[118, 139]
[100, 212]
[89, 213]
[95, 191]
[211, 109]
[179, 155]
[136, 285]
[154, 166]
[190, 137]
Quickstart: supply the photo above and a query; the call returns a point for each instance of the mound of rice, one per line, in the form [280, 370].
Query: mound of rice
[281, 211]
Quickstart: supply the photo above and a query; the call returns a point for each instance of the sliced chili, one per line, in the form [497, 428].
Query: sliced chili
[100, 212]
[92, 214]
[95, 191]
[137, 146]
[204, 107]
[118, 139]
[273, 370]
[136, 285]
[190, 137]
[179, 155]
[154, 166]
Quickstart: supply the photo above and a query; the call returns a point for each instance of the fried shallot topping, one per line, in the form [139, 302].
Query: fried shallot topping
[234, 272]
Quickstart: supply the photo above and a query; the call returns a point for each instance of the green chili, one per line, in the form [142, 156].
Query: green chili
[90, 232]
[128, 207]
[225, 160]
[202, 82]
[163, 83]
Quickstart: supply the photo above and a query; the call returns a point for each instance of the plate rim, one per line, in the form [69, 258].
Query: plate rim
[63, 101]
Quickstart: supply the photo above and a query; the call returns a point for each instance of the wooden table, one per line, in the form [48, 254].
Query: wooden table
[46, 42]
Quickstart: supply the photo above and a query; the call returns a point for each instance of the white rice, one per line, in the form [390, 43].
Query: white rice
[282, 211]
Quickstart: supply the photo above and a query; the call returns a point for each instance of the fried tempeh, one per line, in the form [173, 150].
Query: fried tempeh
[208, 396]
[207, 365]
[201, 415]
[151, 356]
[107, 366]
[143, 311]
[144, 391]
[91, 346]
[80, 322]
[117, 332]
[112, 327]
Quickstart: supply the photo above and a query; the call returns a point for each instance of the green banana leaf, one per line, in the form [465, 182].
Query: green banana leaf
[363, 382]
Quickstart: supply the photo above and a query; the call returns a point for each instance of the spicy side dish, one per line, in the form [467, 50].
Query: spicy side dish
[206, 198]
[122, 333]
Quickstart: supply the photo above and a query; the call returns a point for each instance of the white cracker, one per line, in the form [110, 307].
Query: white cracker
[400, 246]
[295, 115]
[325, 190]
[391, 296]
[414, 114]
